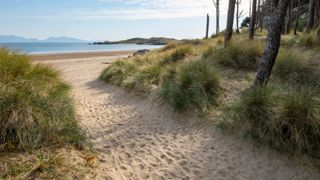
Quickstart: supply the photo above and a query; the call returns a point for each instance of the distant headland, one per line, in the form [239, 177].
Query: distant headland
[139, 41]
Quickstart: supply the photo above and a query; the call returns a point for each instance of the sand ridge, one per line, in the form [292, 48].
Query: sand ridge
[138, 138]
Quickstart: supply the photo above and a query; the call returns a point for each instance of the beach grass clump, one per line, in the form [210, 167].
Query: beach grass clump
[191, 85]
[284, 118]
[145, 78]
[180, 53]
[209, 52]
[119, 71]
[239, 55]
[298, 66]
[170, 46]
[311, 39]
[35, 107]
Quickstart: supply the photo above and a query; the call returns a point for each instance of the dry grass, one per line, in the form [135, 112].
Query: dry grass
[62, 163]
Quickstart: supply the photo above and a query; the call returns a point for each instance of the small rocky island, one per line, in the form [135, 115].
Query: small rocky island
[139, 41]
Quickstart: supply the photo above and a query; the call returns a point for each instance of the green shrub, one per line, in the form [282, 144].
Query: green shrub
[294, 65]
[239, 55]
[35, 108]
[194, 84]
[286, 119]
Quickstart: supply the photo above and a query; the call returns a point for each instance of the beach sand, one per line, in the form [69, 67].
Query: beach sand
[139, 138]
[57, 56]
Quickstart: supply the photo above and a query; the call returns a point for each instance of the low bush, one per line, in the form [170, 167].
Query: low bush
[35, 107]
[297, 66]
[239, 55]
[284, 118]
[194, 84]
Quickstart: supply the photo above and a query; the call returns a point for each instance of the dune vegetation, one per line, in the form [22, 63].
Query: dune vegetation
[203, 75]
[37, 119]
[35, 106]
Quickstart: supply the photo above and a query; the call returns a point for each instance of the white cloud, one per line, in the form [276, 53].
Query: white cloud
[160, 9]
[143, 9]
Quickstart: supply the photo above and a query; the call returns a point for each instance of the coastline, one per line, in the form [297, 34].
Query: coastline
[78, 55]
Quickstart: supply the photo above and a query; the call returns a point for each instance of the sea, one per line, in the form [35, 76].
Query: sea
[52, 48]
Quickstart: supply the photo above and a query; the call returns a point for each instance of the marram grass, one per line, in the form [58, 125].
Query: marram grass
[35, 107]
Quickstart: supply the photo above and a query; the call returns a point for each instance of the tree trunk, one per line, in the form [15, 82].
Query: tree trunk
[218, 16]
[207, 29]
[253, 19]
[311, 15]
[237, 17]
[317, 14]
[273, 42]
[250, 9]
[260, 14]
[229, 28]
[289, 17]
[216, 3]
[297, 19]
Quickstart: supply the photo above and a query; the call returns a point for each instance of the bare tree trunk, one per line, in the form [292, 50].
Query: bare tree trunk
[261, 16]
[289, 17]
[273, 42]
[216, 3]
[207, 29]
[297, 19]
[250, 9]
[311, 15]
[229, 28]
[317, 14]
[237, 15]
[253, 19]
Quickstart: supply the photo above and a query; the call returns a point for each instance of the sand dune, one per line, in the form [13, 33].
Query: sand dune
[138, 138]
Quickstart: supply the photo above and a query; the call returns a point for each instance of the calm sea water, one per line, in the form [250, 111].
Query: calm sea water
[45, 48]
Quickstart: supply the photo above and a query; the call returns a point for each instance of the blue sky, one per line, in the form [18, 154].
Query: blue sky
[108, 19]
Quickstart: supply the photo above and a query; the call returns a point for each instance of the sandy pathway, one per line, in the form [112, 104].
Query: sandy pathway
[140, 139]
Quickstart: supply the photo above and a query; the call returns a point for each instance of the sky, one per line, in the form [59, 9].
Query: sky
[110, 19]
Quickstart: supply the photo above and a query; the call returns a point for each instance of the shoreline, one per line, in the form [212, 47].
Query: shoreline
[77, 55]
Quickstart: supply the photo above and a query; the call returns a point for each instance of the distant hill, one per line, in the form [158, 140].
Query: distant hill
[140, 41]
[63, 39]
[18, 39]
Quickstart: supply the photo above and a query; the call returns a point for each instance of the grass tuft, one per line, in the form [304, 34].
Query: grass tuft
[286, 119]
[310, 40]
[239, 55]
[180, 53]
[194, 84]
[35, 108]
[297, 66]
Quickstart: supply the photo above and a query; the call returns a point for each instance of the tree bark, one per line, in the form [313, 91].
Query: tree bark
[311, 15]
[289, 17]
[207, 28]
[253, 19]
[273, 42]
[297, 19]
[217, 6]
[229, 28]
[237, 15]
[317, 14]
